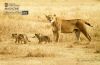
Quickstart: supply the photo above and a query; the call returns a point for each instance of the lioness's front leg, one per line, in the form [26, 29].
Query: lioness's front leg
[56, 36]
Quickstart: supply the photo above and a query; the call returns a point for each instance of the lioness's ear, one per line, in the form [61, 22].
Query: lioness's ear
[54, 15]
[45, 15]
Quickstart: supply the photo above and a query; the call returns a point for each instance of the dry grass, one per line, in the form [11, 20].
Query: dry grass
[62, 53]
[26, 51]
[37, 23]
[40, 53]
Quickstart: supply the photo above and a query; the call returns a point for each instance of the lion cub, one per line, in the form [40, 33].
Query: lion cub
[42, 38]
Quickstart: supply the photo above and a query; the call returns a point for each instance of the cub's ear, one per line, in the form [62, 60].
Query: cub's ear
[35, 34]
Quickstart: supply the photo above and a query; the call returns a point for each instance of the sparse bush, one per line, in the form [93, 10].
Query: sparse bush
[96, 33]
[40, 53]
[24, 51]
[5, 50]
[98, 0]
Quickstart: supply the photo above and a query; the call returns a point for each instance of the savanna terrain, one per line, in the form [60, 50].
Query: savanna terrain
[64, 52]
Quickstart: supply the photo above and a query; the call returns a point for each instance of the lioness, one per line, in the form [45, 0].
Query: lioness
[68, 26]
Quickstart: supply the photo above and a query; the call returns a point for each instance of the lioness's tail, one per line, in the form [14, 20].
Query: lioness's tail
[88, 24]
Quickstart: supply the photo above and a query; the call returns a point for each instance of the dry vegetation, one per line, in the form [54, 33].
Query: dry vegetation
[62, 53]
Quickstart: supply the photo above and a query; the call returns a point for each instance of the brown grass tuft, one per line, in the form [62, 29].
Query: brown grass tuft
[5, 51]
[40, 53]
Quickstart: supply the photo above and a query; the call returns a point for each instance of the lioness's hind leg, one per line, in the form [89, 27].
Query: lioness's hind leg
[77, 32]
[86, 34]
